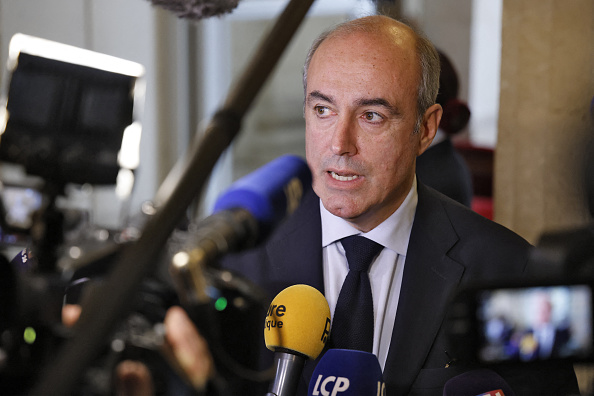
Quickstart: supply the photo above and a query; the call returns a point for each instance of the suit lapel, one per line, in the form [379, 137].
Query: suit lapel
[429, 278]
[295, 253]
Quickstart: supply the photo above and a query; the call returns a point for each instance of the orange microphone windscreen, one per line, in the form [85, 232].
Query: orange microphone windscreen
[298, 320]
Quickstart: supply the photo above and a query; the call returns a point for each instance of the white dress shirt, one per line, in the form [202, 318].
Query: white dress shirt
[385, 273]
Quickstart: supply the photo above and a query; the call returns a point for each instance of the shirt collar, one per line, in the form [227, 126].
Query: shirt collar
[393, 233]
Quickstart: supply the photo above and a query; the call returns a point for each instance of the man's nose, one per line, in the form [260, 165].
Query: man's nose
[344, 138]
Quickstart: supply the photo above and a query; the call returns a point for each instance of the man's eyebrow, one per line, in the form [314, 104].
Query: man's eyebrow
[378, 102]
[360, 102]
[319, 95]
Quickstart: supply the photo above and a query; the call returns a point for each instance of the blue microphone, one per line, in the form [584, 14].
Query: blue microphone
[270, 193]
[349, 373]
[243, 216]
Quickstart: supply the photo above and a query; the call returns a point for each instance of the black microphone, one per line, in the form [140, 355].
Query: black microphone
[479, 382]
[197, 9]
[243, 216]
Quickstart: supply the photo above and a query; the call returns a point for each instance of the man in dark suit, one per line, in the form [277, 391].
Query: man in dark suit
[545, 338]
[450, 246]
[370, 88]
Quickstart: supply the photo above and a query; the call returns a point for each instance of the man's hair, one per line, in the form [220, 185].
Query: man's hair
[426, 52]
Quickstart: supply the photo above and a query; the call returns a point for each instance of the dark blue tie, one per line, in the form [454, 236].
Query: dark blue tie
[352, 326]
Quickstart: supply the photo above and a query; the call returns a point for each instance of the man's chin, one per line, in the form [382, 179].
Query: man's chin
[341, 208]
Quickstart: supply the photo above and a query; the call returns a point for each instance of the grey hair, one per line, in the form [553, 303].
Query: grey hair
[429, 84]
[428, 59]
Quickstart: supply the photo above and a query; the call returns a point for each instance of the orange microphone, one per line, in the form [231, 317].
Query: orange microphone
[297, 327]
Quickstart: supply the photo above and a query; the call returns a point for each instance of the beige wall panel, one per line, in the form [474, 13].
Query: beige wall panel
[547, 83]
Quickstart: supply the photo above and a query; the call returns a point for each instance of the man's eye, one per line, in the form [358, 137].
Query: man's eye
[321, 110]
[372, 116]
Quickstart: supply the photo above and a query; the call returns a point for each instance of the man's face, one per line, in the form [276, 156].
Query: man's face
[360, 114]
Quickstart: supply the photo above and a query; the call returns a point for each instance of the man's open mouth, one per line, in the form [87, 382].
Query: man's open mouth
[338, 177]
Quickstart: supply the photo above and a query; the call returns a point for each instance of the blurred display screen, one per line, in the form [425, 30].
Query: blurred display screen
[535, 323]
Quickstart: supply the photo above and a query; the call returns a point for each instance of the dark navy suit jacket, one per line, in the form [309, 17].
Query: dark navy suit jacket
[450, 246]
[444, 169]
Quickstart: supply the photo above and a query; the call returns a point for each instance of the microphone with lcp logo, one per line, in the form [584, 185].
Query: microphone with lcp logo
[347, 372]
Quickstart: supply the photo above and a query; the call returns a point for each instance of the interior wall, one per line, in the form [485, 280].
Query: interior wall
[484, 72]
[547, 84]
[447, 23]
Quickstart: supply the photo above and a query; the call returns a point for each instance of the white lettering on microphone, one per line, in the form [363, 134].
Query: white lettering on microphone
[341, 384]
[315, 389]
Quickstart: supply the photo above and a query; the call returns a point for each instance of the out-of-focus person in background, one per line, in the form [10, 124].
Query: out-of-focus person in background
[441, 166]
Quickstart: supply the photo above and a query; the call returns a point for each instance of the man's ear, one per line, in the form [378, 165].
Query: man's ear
[429, 127]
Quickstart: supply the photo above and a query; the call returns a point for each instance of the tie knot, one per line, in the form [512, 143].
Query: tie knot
[360, 251]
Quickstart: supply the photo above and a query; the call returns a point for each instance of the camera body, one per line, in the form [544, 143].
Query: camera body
[546, 315]
[524, 322]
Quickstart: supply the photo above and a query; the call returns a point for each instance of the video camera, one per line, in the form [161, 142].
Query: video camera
[68, 116]
[71, 116]
[546, 315]
[524, 322]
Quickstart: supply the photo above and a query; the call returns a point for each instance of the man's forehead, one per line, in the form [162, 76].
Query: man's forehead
[368, 46]
[392, 33]
[358, 55]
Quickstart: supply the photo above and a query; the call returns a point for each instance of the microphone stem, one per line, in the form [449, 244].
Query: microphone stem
[107, 305]
[288, 371]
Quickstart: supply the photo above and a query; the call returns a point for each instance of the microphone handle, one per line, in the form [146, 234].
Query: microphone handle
[288, 371]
